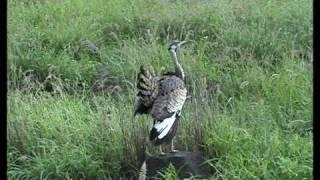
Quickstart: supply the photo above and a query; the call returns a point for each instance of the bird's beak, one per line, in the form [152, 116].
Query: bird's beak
[182, 43]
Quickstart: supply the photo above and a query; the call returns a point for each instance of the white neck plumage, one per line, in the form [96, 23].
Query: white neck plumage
[178, 67]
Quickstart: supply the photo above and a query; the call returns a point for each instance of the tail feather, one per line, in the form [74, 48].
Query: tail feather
[144, 93]
[161, 128]
[145, 79]
[147, 86]
[153, 134]
[144, 86]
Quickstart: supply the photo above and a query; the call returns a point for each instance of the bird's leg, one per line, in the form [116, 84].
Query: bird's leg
[161, 152]
[172, 147]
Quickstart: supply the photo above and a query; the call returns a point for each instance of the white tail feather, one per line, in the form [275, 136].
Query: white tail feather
[164, 126]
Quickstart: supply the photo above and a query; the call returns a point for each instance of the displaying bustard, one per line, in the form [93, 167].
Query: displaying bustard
[163, 97]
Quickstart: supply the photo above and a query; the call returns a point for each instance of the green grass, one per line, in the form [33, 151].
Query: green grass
[72, 70]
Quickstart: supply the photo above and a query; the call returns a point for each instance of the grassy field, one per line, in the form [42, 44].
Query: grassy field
[72, 68]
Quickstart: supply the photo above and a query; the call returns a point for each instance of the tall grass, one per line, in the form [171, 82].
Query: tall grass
[72, 74]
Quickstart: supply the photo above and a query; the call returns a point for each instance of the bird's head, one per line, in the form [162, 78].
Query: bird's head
[175, 45]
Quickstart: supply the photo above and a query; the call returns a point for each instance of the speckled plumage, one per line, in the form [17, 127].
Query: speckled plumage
[163, 98]
[171, 96]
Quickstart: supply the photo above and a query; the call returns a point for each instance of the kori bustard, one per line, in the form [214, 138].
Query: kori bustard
[163, 98]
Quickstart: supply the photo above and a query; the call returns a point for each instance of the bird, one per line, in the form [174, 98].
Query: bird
[163, 98]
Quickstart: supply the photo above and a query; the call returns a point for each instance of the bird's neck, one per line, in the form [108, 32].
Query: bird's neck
[178, 68]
